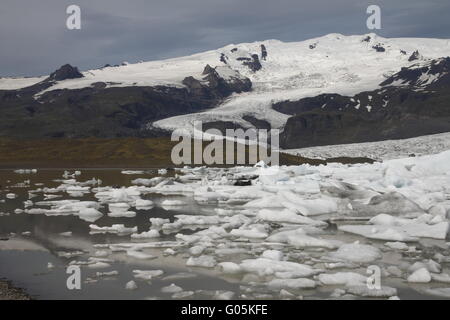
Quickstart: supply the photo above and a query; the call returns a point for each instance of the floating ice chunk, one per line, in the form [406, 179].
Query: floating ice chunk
[378, 232]
[196, 250]
[183, 294]
[98, 265]
[263, 266]
[173, 288]
[273, 255]
[296, 284]
[89, 214]
[256, 231]
[158, 222]
[120, 210]
[147, 182]
[122, 214]
[50, 265]
[143, 203]
[342, 278]
[115, 228]
[397, 245]
[287, 216]
[420, 276]
[309, 207]
[202, 261]
[11, 195]
[169, 252]
[143, 235]
[284, 294]
[364, 291]
[223, 295]
[430, 265]
[229, 268]
[66, 234]
[107, 273]
[139, 255]
[130, 172]
[387, 227]
[172, 203]
[131, 285]
[299, 239]
[147, 274]
[129, 194]
[101, 253]
[355, 252]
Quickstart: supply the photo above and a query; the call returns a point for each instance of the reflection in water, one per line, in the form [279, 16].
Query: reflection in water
[33, 242]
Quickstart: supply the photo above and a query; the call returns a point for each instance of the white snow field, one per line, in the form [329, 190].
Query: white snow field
[334, 63]
[18, 83]
[380, 150]
[295, 231]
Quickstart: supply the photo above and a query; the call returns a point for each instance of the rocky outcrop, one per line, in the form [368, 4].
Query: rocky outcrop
[218, 83]
[414, 56]
[64, 73]
[417, 104]
[378, 48]
[254, 64]
[108, 112]
[432, 74]
[263, 52]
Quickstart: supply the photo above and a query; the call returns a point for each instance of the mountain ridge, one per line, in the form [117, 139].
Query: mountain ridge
[245, 85]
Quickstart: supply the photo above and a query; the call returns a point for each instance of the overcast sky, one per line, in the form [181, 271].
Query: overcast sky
[34, 39]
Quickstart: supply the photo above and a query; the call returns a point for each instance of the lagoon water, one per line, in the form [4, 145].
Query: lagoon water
[36, 249]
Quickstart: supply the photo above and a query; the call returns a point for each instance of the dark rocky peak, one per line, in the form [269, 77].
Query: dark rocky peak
[313, 46]
[263, 52]
[218, 83]
[208, 70]
[64, 73]
[223, 58]
[254, 64]
[379, 48]
[366, 39]
[415, 56]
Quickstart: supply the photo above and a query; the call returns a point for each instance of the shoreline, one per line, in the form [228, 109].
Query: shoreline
[9, 292]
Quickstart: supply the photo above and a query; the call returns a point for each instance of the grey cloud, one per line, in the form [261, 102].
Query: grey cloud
[34, 40]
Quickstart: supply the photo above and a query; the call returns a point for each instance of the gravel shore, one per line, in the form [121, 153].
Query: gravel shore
[8, 292]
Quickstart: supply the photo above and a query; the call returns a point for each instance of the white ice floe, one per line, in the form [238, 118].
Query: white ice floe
[172, 288]
[299, 239]
[148, 234]
[387, 227]
[356, 252]
[420, 276]
[202, 261]
[115, 228]
[131, 285]
[147, 274]
[142, 203]
[342, 278]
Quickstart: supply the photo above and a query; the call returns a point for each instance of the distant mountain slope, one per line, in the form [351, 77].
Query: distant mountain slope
[268, 84]
[410, 103]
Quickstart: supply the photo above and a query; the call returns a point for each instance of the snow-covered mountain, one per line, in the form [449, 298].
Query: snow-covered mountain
[278, 71]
